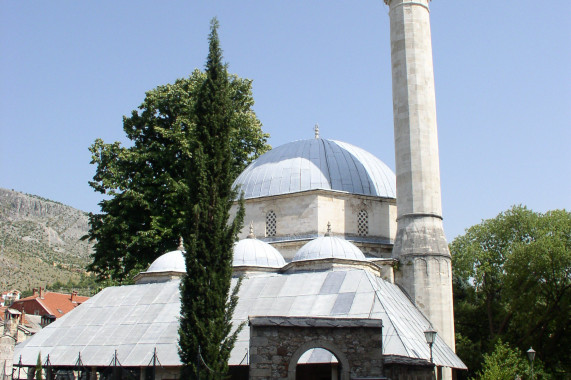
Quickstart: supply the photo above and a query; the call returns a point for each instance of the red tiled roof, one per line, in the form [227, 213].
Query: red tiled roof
[52, 303]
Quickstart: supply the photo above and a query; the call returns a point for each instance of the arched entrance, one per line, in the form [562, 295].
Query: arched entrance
[320, 360]
[317, 364]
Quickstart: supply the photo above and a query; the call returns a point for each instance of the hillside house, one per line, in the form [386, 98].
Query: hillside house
[49, 305]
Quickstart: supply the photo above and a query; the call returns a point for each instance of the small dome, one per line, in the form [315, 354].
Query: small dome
[254, 252]
[169, 262]
[317, 164]
[327, 247]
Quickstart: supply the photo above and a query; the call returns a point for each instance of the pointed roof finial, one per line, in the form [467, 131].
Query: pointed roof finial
[251, 234]
[328, 233]
[316, 129]
[180, 244]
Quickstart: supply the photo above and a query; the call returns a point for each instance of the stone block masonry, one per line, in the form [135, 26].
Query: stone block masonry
[277, 343]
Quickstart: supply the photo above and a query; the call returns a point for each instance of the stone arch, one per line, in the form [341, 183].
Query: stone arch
[421, 266]
[319, 343]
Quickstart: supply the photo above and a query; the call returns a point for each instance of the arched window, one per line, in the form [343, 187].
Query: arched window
[363, 223]
[271, 223]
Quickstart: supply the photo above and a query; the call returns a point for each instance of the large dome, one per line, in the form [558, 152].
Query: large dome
[317, 164]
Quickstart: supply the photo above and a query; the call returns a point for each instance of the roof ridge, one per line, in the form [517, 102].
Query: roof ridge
[375, 285]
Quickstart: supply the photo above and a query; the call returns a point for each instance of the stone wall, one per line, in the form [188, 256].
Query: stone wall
[277, 343]
[301, 217]
[342, 211]
[7, 343]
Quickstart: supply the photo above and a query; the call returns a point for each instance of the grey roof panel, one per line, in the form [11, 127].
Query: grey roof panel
[351, 282]
[140, 354]
[169, 334]
[332, 283]
[273, 286]
[323, 305]
[263, 306]
[361, 306]
[343, 303]
[283, 307]
[302, 305]
[135, 314]
[137, 332]
[153, 334]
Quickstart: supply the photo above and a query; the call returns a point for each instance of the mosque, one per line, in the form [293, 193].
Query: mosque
[345, 267]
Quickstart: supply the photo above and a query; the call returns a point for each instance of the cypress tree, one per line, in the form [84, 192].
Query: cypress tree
[207, 302]
[38, 369]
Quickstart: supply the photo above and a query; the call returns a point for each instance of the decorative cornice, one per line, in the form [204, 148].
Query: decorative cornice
[286, 321]
[420, 215]
[388, 2]
[327, 192]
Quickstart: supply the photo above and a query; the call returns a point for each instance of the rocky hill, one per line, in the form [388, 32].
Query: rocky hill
[40, 241]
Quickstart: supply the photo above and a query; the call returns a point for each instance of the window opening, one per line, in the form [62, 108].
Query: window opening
[271, 223]
[363, 223]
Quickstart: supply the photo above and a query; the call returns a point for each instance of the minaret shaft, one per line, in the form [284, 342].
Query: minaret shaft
[420, 244]
[414, 109]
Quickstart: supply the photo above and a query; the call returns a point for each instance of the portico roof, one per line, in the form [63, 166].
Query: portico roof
[136, 319]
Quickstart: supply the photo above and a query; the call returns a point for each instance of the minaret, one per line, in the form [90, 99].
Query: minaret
[420, 244]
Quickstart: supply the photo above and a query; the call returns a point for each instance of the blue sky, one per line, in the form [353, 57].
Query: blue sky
[69, 71]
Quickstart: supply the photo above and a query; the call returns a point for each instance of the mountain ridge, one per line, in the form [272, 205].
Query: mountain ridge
[40, 241]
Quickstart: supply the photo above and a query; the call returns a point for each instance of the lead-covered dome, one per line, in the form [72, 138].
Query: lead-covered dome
[166, 267]
[254, 252]
[327, 247]
[169, 262]
[317, 164]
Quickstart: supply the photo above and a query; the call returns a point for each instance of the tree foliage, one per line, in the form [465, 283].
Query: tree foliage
[506, 363]
[38, 369]
[146, 183]
[512, 281]
[205, 338]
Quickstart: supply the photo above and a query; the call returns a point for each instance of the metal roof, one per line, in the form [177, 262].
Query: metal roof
[135, 319]
[317, 164]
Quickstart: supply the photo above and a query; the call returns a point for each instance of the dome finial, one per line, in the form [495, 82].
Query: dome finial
[180, 244]
[328, 233]
[316, 129]
[251, 234]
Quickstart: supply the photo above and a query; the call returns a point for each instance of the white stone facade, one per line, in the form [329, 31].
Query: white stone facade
[301, 217]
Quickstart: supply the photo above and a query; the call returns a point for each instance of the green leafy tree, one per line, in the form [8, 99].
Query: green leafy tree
[512, 281]
[146, 183]
[506, 363]
[207, 302]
